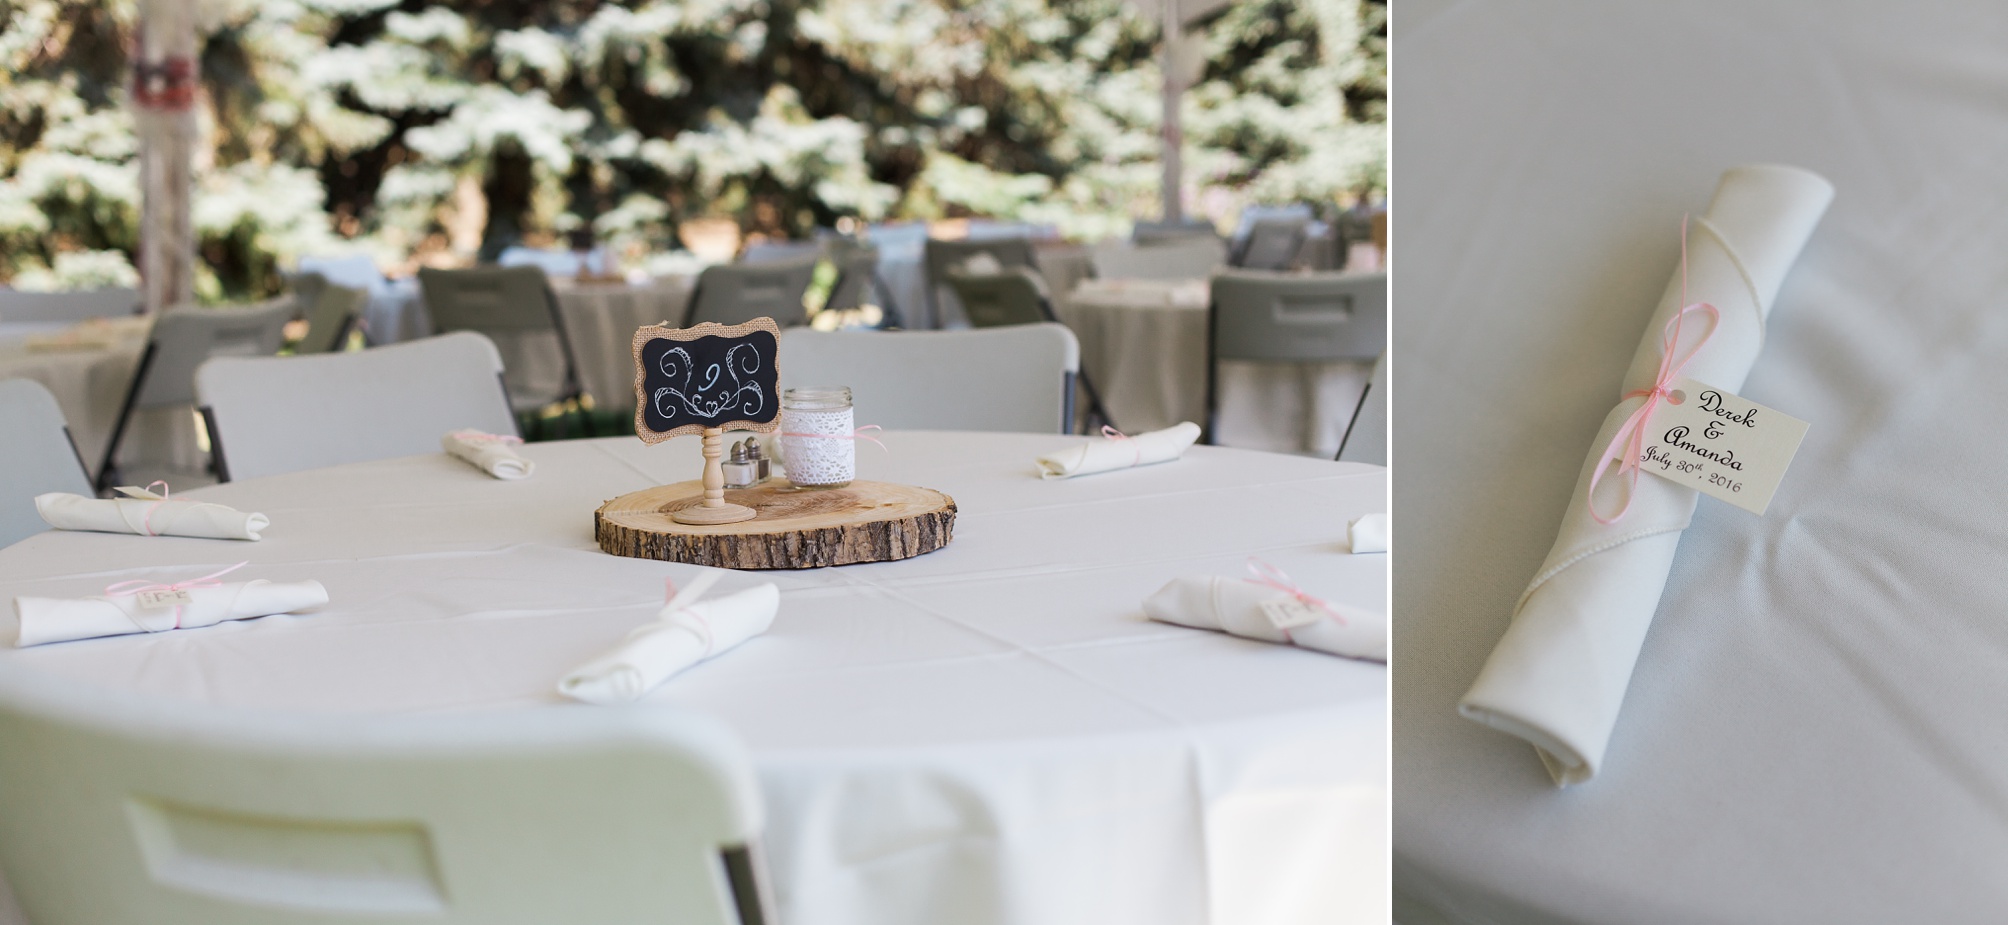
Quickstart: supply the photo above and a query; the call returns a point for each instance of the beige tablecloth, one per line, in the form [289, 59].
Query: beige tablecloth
[1144, 344]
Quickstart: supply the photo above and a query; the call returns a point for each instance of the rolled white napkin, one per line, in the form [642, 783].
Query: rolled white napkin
[1102, 454]
[681, 636]
[1368, 533]
[490, 453]
[1558, 676]
[1210, 602]
[48, 619]
[148, 514]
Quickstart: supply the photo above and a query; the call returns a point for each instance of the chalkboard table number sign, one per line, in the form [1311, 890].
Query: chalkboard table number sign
[703, 380]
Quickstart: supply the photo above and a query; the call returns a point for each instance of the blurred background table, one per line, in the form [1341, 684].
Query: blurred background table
[1144, 344]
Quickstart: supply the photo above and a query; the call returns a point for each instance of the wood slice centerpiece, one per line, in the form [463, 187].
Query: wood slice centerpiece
[793, 528]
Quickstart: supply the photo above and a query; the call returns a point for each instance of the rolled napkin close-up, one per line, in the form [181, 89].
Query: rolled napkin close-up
[1270, 610]
[685, 632]
[1558, 675]
[47, 619]
[148, 514]
[494, 454]
[1368, 533]
[1117, 451]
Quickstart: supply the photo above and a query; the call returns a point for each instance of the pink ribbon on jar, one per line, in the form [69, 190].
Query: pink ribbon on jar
[141, 586]
[858, 434]
[1628, 444]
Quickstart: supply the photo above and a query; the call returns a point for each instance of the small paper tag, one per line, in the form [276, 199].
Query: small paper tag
[134, 491]
[1288, 613]
[1727, 447]
[161, 598]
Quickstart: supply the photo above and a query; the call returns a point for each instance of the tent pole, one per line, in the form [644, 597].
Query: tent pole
[1173, 132]
[165, 83]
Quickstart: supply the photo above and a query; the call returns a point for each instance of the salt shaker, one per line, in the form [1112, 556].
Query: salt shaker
[817, 437]
[740, 469]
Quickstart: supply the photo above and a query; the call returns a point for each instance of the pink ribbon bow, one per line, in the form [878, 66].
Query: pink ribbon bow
[858, 434]
[1270, 576]
[1628, 444]
[1117, 436]
[140, 586]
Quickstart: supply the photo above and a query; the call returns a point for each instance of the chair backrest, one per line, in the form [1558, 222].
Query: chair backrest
[513, 306]
[1366, 436]
[37, 456]
[183, 338]
[356, 271]
[488, 299]
[991, 300]
[123, 810]
[1271, 244]
[944, 256]
[782, 252]
[271, 415]
[857, 269]
[733, 293]
[78, 305]
[1324, 317]
[1162, 232]
[1018, 378]
[331, 314]
[1171, 258]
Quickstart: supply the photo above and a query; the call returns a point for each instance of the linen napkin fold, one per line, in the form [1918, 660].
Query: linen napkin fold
[1558, 675]
[490, 453]
[49, 619]
[1119, 452]
[148, 514]
[1210, 602]
[685, 632]
[1368, 533]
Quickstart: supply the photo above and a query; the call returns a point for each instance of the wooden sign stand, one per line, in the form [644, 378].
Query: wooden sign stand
[715, 509]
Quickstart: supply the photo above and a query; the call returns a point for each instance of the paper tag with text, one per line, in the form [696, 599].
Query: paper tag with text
[1288, 613]
[1721, 445]
[164, 597]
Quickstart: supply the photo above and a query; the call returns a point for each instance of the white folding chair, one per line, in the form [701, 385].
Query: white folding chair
[182, 339]
[57, 307]
[331, 312]
[735, 293]
[121, 810]
[944, 257]
[1190, 257]
[1018, 378]
[269, 415]
[1366, 437]
[1292, 318]
[36, 456]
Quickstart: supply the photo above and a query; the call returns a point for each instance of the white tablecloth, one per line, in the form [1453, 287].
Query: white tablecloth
[90, 386]
[600, 318]
[1814, 732]
[1143, 342]
[990, 733]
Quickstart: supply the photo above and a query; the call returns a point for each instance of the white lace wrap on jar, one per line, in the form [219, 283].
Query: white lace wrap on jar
[819, 460]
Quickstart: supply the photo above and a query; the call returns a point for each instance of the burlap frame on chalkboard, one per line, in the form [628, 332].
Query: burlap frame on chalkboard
[651, 332]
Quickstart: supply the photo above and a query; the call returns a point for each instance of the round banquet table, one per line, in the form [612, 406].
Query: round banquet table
[1813, 729]
[1144, 344]
[990, 733]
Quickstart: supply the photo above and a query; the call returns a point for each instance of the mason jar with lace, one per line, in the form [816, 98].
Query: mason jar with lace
[818, 442]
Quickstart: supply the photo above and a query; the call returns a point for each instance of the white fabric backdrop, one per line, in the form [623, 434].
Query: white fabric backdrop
[1814, 730]
[991, 733]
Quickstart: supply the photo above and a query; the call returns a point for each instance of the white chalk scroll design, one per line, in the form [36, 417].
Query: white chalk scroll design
[727, 386]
